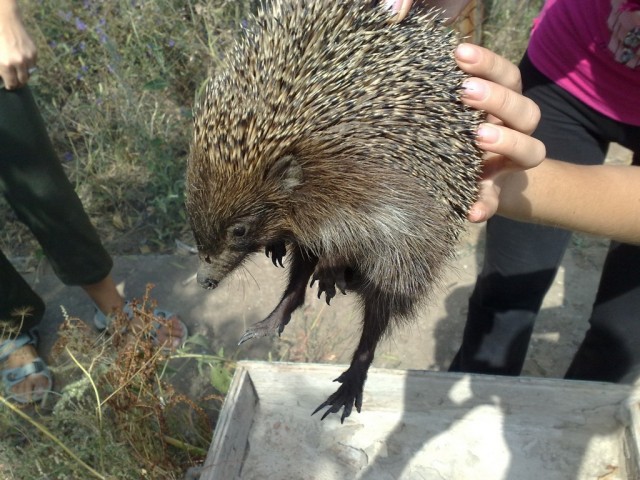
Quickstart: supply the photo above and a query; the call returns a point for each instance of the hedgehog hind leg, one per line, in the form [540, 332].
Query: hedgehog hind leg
[302, 266]
[349, 394]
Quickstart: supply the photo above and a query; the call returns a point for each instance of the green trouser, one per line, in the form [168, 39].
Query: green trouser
[35, 185]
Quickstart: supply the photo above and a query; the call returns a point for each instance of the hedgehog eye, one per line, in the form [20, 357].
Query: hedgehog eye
[207, 259]
[239, 231]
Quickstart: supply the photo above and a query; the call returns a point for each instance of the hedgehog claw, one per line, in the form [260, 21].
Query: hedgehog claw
[277, 252]
[348, 395]
[328, 280]
[248, 335]
[261, 329]
[273, 324]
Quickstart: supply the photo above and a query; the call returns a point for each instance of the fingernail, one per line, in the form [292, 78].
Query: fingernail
[475, 215]
[473, 89]
[487, 134]
[393, 5]
[467, 53]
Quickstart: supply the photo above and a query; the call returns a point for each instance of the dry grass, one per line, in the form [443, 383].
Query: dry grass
[117, 415]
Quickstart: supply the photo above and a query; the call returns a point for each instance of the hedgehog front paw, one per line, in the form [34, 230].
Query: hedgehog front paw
[348, 395]
[277, 252]
[271, 325]
[328, 279]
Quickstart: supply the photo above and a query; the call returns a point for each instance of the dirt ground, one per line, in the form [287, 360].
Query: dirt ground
[324, 333]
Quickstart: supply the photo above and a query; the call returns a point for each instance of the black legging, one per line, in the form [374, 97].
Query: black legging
[521, 260]
[35, 185]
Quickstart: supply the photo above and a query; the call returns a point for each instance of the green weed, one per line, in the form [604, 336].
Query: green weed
[507, 26]
[115, 83]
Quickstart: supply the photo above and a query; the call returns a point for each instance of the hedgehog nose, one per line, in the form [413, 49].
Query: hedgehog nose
[205, 282]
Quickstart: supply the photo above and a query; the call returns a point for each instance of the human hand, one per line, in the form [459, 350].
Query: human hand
[17, 51]
[624, 23]
[496, 88]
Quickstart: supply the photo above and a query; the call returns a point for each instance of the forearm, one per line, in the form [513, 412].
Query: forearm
[602, 200]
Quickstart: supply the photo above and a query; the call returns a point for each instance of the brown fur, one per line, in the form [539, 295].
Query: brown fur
[340, 135]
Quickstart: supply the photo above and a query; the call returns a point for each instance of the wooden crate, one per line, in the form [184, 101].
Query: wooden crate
[423, 425]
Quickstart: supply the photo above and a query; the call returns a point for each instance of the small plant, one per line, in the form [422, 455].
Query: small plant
[118, 401]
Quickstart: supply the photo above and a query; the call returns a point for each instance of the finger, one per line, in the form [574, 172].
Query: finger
[635, 61]
[31, 61]
[521, 149]
[9, 77]
[511, 108]
[614, 44]
[401, 7]
[403, 11]
[486, 205]
[625, 55]
[488, 189]
[480, 62]
[22, 75]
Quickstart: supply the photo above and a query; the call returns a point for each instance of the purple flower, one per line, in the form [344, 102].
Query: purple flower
[67, 156]
[101, 35]
[172, 43]
[80, 25]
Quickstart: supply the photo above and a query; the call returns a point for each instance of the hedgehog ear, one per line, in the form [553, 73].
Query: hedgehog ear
[287, 172]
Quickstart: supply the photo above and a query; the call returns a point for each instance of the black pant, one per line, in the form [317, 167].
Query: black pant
[521, 260]
[35, 185]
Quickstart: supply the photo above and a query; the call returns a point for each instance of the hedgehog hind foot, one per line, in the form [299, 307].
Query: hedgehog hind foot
[347, 396]
[330, 279]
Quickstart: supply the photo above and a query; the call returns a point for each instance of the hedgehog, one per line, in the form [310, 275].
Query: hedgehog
[335, 137]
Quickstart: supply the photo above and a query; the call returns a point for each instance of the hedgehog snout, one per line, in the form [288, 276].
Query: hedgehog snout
[205, 281]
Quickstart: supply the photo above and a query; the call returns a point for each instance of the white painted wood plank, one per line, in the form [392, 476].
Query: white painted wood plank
[417, 424]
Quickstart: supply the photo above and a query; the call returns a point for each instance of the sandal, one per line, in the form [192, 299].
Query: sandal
[11, 377]
[102, 321]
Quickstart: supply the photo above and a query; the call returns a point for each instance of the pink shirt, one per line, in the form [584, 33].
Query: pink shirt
[569, 45]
